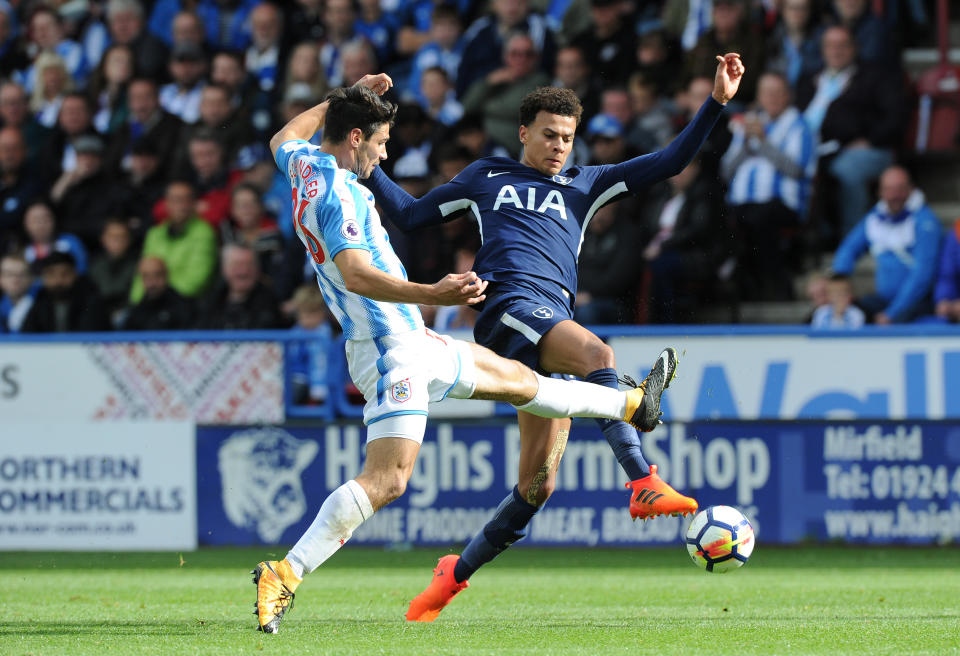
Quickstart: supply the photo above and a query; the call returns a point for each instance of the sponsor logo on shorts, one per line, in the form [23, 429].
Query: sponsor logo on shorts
[400, 392]
[543, 312]
[350, 230]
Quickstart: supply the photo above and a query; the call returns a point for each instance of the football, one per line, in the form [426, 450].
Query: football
[720, 539]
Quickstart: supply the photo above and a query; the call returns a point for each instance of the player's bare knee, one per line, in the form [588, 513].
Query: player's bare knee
[601, 356]
[382, 486]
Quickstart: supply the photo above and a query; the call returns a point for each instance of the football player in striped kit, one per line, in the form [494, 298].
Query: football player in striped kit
[398, 364]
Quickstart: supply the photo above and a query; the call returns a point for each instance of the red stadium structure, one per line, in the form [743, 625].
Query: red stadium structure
[938, 111]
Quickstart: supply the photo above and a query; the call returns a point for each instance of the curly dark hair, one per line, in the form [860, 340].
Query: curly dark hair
[355, 107]
[553, 100]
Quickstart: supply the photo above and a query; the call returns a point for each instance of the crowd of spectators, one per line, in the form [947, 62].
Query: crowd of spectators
[136, 191]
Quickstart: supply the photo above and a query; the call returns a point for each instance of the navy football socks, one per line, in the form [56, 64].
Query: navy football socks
[622, 437]
[509, 524]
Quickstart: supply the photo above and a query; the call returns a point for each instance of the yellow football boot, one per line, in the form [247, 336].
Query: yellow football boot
[275, 583]
[643, 401]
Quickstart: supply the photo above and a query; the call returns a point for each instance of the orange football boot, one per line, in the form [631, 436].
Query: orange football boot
[442, 589]
[652, 496]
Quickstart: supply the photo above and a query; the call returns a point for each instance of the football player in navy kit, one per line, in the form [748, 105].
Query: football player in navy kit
[532, 216]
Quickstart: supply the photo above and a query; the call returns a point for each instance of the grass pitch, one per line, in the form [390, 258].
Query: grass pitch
[811, 600]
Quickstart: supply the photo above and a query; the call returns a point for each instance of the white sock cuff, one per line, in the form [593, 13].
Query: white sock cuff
[360, 496]
[546, 388]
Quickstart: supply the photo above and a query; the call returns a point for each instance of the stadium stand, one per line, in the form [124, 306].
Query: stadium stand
[143, 93]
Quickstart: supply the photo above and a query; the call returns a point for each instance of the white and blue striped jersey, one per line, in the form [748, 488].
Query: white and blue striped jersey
[824, 317]
[332, 211]
[757, 180]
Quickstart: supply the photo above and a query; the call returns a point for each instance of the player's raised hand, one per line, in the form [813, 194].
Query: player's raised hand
[459, 289]
[729, 73]
[378, 83]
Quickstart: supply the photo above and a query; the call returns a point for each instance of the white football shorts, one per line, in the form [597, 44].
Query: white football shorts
[399, 375]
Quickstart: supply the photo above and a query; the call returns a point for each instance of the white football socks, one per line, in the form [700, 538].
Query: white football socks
[572, 398]
[341, 513]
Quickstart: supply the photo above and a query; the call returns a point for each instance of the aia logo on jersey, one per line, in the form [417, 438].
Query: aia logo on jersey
[562, 179]
[350, 230]
[400, 392]
[543, 312]
[509, 195]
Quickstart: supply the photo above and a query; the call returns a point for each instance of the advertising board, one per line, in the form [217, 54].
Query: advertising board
[211, 382]
[801, 376]
[88, 486]
[878, 482]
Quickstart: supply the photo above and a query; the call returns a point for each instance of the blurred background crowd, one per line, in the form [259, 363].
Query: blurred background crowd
[137, 192]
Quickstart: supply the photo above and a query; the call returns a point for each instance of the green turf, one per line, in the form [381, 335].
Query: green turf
[814, 600]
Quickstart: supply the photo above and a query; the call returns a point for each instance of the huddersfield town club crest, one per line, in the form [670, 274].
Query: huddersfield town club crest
[401, 391]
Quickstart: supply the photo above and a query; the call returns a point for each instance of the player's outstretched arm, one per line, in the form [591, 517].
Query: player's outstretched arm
[442, 203]
[361, 277]
[645, 170]
[306, 124]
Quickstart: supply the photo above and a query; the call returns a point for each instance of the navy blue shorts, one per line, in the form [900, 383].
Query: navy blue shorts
[514, 319]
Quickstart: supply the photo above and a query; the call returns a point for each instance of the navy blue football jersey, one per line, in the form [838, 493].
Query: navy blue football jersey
[531, 224]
